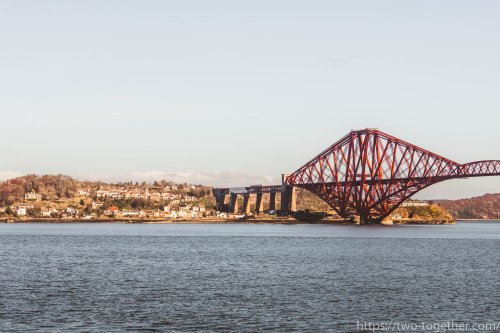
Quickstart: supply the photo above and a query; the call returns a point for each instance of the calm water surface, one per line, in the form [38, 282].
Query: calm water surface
[244, 278]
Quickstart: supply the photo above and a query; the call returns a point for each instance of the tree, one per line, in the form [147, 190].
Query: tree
[138, 203]
[88, 210]
[31, 212]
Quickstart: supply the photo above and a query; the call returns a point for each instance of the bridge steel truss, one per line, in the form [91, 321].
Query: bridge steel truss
[369, 173]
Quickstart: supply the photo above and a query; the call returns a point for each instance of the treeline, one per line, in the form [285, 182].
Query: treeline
[485, 206]
[49, 186]
[140, 203]
[132, 203]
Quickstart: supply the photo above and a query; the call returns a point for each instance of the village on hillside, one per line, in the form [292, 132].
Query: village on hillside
[66, 198]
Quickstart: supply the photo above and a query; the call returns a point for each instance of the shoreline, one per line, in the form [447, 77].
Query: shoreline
[230, 221]
[482, 220]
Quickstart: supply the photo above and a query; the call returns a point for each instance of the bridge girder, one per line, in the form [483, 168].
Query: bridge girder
[370, 173]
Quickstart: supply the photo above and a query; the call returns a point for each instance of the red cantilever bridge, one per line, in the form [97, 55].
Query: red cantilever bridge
[368, 173]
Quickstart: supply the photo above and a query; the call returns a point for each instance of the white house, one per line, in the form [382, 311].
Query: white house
[130, 213]
[414, 203]
[46, 212]
[33, 196]
[71, 211]
[96, 205]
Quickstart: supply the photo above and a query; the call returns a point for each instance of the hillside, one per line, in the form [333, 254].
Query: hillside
[48, 186]
[430, 212]
[61, 191]
[484, 207]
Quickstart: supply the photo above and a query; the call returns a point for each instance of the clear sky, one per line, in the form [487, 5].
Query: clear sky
[237, 92]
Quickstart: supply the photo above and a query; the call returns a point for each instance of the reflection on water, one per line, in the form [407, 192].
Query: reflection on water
[244, 278]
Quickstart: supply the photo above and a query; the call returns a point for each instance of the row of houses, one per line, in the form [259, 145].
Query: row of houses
[71, 212]
[108, 190]
[169, 211]
[136, 194]
[163, 194]
[22, 210]
[140, 194]
[121, 194]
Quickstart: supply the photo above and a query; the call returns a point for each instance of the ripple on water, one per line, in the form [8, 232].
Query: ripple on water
[244, 283]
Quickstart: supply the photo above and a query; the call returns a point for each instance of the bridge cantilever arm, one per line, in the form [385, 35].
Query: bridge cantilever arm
[480, 168]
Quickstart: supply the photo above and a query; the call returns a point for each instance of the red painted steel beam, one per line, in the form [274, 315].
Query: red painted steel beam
[370, 173]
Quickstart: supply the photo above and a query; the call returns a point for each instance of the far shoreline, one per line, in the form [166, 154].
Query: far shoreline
[229, 221]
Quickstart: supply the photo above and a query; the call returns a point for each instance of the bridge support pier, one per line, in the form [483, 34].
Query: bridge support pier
[272, 201]
[222, 205]
[220, 199]
[233, 206]
[259, 206]
[246, 204]
[288, 196]
[289, 199]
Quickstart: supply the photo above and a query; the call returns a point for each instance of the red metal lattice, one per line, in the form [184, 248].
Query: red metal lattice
[370, 173]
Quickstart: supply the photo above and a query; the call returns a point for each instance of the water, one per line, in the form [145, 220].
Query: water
[245, 278]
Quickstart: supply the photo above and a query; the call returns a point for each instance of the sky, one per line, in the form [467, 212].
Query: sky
[233, 93]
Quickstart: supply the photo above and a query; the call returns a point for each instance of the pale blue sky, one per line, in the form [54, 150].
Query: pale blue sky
[234, 92]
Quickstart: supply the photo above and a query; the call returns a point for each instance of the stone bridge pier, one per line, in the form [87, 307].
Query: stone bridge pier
[228, 199]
